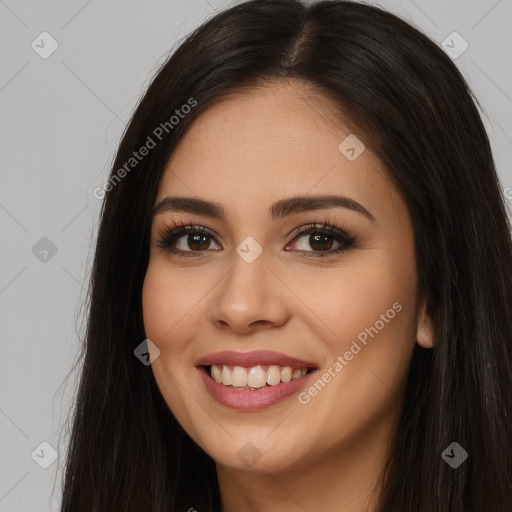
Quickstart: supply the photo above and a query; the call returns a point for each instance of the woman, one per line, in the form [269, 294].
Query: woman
[303, 233]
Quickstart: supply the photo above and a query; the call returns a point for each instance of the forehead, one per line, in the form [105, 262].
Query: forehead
[257, 146]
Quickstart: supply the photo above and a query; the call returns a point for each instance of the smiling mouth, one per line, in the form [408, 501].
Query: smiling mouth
[254, 377]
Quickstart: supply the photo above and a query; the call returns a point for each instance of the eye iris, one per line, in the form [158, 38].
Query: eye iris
[313, 239]
[194, 239]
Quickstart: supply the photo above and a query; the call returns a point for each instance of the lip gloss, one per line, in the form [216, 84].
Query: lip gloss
[252, 399]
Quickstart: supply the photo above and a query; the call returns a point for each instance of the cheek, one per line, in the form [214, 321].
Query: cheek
[156, 300]
[166, 314]
[371, 312]
[171, 302]
[372, 319]
[356, 297]
[166, 303]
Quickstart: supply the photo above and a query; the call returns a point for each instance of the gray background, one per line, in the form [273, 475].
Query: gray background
[61, 120]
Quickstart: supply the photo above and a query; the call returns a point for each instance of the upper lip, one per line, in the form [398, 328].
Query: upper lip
[254, 358]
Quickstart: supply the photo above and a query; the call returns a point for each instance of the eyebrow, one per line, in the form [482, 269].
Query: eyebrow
[278, 210]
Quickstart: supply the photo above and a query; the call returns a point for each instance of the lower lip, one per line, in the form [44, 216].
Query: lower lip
[252, 399]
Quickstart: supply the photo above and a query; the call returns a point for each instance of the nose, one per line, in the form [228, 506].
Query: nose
[250, 297]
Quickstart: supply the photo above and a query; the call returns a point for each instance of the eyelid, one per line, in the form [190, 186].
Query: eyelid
[339, 233]
[168, 232]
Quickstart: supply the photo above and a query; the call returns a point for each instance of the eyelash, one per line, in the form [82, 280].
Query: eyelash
[168, 235]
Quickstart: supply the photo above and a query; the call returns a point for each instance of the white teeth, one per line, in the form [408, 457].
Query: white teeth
[239, 377]
[256, 376]
[273, 375]
[216, 373]
[225, 376]
[286, 374]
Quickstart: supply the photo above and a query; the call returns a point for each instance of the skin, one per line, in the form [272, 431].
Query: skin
[253, 148]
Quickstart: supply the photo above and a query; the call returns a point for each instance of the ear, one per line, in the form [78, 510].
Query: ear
[425, 327]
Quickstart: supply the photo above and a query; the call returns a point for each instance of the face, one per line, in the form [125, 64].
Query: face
[277, 286]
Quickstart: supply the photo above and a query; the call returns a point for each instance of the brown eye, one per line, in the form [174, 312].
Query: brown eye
[185, 240]
[318, 240]
[191, 240]
[195, 242]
